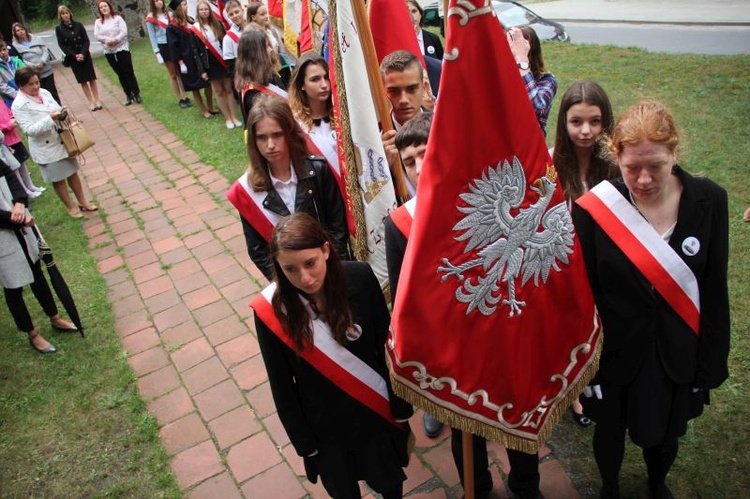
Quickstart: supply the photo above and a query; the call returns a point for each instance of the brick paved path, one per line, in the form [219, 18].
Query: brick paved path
[172, 252]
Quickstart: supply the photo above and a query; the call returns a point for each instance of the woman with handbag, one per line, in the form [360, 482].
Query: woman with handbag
[38, 115]
[35, 54]
[20, 264]
[74, 42]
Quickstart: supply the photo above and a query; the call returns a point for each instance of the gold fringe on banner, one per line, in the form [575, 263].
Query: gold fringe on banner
[495, 433]
[352, 164]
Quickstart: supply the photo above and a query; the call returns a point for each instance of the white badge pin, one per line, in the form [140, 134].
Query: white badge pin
[430, 49]
[691, 246]
[354, 332]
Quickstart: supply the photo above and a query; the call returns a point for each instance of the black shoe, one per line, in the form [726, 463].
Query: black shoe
[432, 427]
[581, 419]
[183, 104]
[128, 101]
[188, 102]
[137, 98]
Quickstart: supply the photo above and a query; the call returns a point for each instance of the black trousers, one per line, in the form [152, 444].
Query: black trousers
[17, 305]
[48, 83]
[122, 64]
[524, 468]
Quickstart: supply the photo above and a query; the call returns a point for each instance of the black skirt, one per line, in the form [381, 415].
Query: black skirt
[653, 407]
[83, 70]
[215, 69]
[164, 51]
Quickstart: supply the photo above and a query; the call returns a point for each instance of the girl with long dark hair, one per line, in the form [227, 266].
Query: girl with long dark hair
[317, 306]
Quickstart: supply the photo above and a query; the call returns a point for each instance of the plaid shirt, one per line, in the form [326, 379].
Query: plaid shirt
[541, 92]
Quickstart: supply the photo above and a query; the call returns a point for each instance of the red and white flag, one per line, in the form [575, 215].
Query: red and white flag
[494, 328]
[361, 153]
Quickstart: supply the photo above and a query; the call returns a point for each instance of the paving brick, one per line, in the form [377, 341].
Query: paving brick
[204, 375]
[433, 494]
[416, 474]
[158, 382]
[225, 330]
[238, 350]
[440, 459]
[221, 486]
[167, 244]
[155, 286]
[110, 264]
[184, 269]
[261, 400]
[176, 256]
[129, 325]
[196, 464]
[140, 341]
[184, 433]
[142, 259]
[171, 317]
[278, 482]
[295, 462]
[184, 285]
[181, 335]
[252, 456]
[219, 399]
[239, 290]
[250, 373]
[273, 427]
[234, 426]
[147, 272]
[201, 297]
[148, 361]
[555, 482]
[192, 354]
[171, 406]
[128, 306]
[162, 301]
[205, 316]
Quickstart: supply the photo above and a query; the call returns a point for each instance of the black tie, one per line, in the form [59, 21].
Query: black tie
[317, 121]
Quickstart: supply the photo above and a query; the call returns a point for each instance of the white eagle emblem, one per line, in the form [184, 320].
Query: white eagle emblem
[509, 245]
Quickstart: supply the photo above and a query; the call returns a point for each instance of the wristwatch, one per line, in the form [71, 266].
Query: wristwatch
[523, 66]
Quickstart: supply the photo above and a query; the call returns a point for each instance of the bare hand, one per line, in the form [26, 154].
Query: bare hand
[389, 144]
[18, 213]
[519, 45]
[79, 57]
[29, 221]
[204, 76]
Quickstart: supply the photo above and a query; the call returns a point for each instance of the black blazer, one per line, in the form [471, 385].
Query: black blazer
[319, 196]
[313, 409]
[395, 249]
[634, 315]
[432, 46]
[186, 47]
[73, 41]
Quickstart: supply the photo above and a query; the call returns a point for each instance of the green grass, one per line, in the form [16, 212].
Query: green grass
[71, 424]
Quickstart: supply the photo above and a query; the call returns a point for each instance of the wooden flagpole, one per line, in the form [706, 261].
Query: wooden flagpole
[378, 92]
[467, 444]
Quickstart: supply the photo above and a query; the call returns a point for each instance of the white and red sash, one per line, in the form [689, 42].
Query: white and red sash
[339, 365]
[186, 29]
[234, 36]
[403, 216]
[209, 46]
[250, 205]
[648, 251]
[157, 22]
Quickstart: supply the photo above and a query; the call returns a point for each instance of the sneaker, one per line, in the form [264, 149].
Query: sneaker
[230, 125]
[35, 194]
[183, 104]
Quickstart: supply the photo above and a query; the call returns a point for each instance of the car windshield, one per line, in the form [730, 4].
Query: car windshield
[511, 15]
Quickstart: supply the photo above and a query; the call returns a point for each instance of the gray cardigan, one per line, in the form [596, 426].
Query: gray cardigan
[35, 54]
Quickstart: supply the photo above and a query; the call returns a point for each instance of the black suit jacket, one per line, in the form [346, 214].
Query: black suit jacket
[395, 249]
[432, 46]
[313, 410]
[635, 316]
[319, 196]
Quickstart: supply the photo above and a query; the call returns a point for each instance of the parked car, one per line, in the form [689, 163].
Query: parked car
[510, 14]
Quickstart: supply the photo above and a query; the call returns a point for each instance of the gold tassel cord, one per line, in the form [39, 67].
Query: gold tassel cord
[491, 433]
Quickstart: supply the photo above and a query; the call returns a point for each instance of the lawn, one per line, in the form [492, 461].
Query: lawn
[72, 424]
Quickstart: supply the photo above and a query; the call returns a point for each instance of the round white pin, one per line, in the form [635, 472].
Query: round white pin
[691, 246]
[354, 332]
[430, 49]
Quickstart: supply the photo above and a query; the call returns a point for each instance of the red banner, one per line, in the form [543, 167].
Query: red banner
[394, 30]
[494, 328]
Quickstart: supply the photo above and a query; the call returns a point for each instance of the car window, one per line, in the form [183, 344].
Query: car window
[511, 15]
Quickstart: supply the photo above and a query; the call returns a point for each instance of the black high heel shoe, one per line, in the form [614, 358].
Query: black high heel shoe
[581, 419]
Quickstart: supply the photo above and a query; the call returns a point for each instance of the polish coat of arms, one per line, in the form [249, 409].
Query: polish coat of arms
[511, 242]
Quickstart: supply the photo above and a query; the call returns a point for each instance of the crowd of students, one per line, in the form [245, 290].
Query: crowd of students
[655, 371]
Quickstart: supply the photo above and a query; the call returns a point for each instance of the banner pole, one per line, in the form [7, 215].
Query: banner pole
[378, 92]
[467, 444]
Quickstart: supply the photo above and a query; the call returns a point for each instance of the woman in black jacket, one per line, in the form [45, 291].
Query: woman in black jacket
[341, 414]
[74, 42]
[283, 179]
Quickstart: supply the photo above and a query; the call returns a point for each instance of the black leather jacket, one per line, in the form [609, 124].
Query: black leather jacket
[317, 195]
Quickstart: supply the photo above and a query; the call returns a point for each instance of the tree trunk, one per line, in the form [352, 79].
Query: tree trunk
[132, 11]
